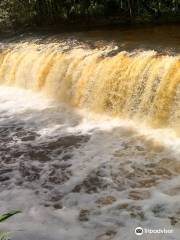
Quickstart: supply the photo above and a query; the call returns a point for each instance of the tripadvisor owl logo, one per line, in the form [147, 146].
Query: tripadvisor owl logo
[139, 231]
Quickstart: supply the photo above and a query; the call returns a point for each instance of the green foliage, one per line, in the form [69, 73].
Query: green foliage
[5, 216]
[15, 13]
[5, 236]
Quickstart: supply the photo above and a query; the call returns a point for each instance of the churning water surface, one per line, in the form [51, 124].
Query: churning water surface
[78, 152]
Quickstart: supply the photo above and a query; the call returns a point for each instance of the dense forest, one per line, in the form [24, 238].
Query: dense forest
[22, 13]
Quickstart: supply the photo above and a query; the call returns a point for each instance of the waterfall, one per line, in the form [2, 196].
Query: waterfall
[142, 85]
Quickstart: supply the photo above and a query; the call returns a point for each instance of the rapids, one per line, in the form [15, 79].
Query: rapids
[89, 138]
[139, 85]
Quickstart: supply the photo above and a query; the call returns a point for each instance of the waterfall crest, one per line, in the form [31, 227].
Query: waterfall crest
[144, 85]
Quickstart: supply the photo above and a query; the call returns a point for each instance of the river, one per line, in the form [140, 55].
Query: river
[89, 134]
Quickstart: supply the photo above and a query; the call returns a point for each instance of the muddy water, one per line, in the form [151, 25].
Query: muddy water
[164, 39]
[77, 174]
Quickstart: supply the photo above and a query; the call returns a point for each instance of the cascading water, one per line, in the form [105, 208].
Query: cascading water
[142, 85]
[89, 141]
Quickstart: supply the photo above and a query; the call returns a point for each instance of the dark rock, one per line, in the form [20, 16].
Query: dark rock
[84, 215]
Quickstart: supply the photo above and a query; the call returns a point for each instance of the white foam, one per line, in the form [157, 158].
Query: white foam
[115, 150]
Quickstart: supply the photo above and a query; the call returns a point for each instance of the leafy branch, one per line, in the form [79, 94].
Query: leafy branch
[4, 217]
[8, 215]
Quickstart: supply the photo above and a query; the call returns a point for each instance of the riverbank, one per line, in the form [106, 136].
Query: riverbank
[92, 25]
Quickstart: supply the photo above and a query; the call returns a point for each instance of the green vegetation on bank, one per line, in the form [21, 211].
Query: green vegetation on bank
[16, 14]
[4, 217]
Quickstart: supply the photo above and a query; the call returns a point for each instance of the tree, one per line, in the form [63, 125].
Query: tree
[16, 13]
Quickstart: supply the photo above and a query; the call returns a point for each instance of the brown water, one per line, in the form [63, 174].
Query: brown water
[141, 84]
[89, 125]
[163, 38]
